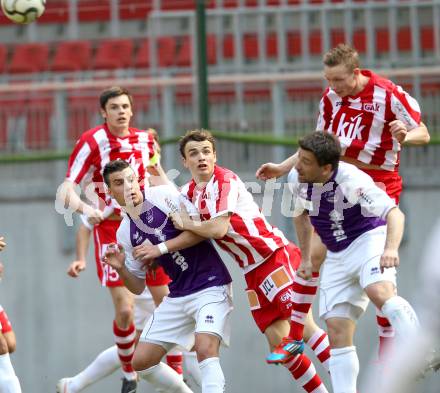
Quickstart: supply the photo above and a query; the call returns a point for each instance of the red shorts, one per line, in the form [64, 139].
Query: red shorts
[103, 235]
[5, 325]
[269, 286]
[390, 182]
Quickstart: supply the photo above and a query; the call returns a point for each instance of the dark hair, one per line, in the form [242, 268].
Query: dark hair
[112, 92]
[325, 147]
[342, 54]
[112, 167]
[197, 136]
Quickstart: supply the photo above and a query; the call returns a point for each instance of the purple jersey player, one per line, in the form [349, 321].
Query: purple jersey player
[196, 312]
[361, 227]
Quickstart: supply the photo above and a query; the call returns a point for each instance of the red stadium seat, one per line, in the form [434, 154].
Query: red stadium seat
[228, 46]
[113, 54]
[315, 42]
[360, 40]
[337, 36]
[184, 52]
[382, 41]
[57, 11]
[251, 47]
[142, 58]
[427, 38]
[272, 45]
[38, 115]
[3, 57]
[72, 56]
[404, 40]
[82, 112]
[29, 58]
[182, 5]
[166, 51]
[293, 43]
[93, 10]
[135, 9]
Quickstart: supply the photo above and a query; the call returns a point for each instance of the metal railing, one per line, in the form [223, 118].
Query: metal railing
[47, 118]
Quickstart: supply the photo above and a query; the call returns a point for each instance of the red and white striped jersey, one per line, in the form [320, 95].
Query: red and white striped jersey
[250, 239]
[361, 122]
[98, 146]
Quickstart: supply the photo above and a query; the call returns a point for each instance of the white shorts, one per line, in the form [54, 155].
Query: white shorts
[143, 309]
[345, 274]
[176, 320]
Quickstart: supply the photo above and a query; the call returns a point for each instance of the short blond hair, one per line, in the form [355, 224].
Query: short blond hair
[342, 54]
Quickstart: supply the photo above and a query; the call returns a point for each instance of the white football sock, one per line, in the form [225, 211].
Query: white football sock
[105, 363]
[344, 369]
[213, 379]
[8, 380]
[402, 317]
[191, 367]
[164, 379]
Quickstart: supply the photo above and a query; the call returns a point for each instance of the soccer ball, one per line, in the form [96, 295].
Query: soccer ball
[23, 11]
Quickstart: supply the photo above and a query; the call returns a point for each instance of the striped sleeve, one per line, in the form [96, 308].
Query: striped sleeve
[325, 113]
[405, 108]
[80, 161]
[226, 189]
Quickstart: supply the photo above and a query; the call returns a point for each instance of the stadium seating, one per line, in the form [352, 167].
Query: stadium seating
[166, 49]
[134, 9]
[82, 112]
[427, 38]
[93, 10]
[29, 58]
[38, 131]
[57, 11]
[3, 57]
[113, 54]
[294, 43]
[72, 56]
[360, 40]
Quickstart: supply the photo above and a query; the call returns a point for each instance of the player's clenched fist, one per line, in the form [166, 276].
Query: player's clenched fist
[2, 243]
[75, 268]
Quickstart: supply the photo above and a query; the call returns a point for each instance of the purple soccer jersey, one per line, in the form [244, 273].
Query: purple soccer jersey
[191, 269]
[346, 206]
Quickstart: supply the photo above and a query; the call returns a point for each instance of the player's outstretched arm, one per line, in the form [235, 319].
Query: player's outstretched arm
[215, 228]
[270, 170]
[67, 195]
[82, 246]
[395, 226]
[149, 251]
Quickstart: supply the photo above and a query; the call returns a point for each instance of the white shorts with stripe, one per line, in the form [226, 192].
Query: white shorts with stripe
[345, 274]
[176, 320]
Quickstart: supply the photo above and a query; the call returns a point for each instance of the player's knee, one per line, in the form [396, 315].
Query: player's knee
[380, 292]
[141, 362]
[338, 334]
[206, 346]
[3, 345]
[124, 316]
[12, 345]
